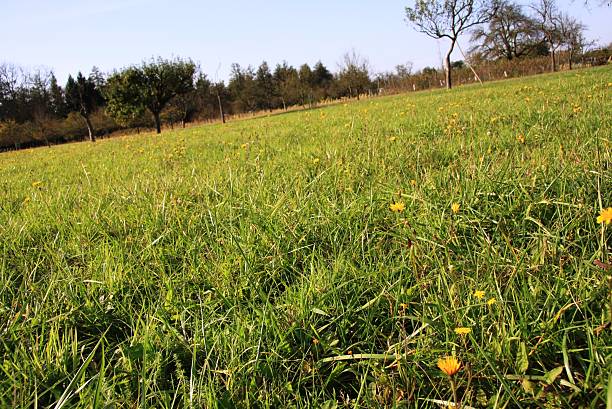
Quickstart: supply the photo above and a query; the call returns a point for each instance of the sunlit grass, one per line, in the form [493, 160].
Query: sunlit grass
[325, 257]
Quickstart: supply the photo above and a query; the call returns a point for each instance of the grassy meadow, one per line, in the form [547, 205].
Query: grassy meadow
[322, 258]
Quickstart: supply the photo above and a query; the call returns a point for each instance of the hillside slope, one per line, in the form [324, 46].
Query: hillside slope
[329, 256]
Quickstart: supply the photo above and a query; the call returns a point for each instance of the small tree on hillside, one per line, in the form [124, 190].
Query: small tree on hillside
[123, 95]
[447, 19]
[265, 88]
[83, 97]
[354, 75]
[572, 37]
[306, 89]
[547, 21]
[161, 80]
[287, 81]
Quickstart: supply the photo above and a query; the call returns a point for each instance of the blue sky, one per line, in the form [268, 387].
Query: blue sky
[71, 35]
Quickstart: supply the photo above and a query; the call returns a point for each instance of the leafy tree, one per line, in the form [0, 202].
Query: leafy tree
[57, 99]
[306, 91]
[124, 101]
[265, 88]
[447, 19]
[82, 96]
[322, 80]
[150, 86]
[287, 82]
[242, 88]
[162, 80]
[509, 34]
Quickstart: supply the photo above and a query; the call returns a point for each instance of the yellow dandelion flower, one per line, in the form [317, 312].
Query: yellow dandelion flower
[491, 301]
[37, 184]
[462, 330]
[479, 294]
[521, 138]
[397, 207]
[413, 182]
[605, 216]
[455, 208]
[392, 139]
[449, 365]
[316, 160]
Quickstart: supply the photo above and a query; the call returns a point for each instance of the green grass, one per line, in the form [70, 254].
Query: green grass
[258, 264]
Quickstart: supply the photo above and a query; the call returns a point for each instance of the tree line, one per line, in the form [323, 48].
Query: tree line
[35, 109]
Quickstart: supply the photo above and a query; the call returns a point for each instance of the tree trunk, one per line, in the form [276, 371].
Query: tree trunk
[90, 130]
[221, 108]
[449, 78]
[570, 59]
[553, 63]
[157, 122]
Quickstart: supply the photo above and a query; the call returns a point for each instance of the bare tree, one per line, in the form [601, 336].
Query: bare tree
[448, 19]
[572, 38]
[547, 20]
[509, 34]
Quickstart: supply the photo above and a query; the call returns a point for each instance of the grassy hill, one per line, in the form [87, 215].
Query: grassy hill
[324, 258]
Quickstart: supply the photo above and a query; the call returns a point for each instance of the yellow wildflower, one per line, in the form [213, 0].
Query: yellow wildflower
[491, 301]
[479, 294]
[37, 184]
[413, 182]
[397, 207]
[449, 365]
[521, 138]
[316, 160]
[605, 216]
[462, 330]
[455, 208]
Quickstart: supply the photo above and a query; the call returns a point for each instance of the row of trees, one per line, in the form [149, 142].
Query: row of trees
[170, 91]
[35, 109]
[500, 28]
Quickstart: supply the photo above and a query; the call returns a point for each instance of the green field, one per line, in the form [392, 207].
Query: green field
[260, 263]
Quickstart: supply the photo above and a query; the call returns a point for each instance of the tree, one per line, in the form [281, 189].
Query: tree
[322, 80]
[150, 86]
[306, 91]
[572, 36]
[265, 88]
[11, 79]
[287, 82]
[509, 34]
[161, 80]
[82, 96]
[448, 19]
[124, 102]
[57, 98]
[242, 88]
[547, 21]
[354, 75]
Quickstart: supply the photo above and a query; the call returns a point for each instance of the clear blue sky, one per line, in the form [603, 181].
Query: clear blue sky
[71, 35]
